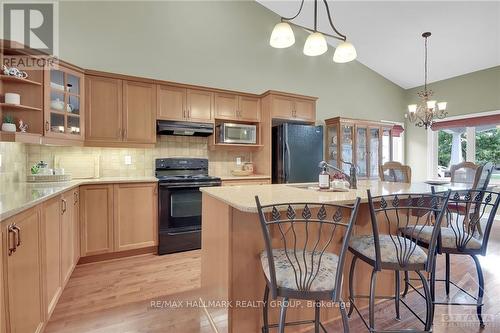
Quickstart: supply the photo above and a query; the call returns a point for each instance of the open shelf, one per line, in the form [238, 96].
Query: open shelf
[230, 146]
[10, 78]
[20, 137]
[19, 107]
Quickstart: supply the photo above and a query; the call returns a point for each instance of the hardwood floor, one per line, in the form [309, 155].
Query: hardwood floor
[132, 295]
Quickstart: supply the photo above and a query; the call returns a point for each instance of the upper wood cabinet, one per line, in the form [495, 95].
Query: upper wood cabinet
[24, 272]
[291, 107]
[120, 111]
[133, 203]
[183, 104]
[104, 109]
[51, 232]
[139, 112]
[235, 107]
[96, 212]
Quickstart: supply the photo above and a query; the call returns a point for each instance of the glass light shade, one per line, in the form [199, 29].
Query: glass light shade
[412, 108]
[431, 104]
[442, 106]
[344, 52]
[282, 36]
[315, 44]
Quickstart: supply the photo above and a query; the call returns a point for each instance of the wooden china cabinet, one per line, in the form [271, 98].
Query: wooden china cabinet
[64, 103]
[367, 144]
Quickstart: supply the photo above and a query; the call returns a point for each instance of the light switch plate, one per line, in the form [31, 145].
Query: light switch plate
[128, 160]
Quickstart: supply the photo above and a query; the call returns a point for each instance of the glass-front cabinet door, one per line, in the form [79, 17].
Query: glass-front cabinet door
[374, 152]
[347, 145]
[64, 104]
[361, 151]
[332, 145]
[386, 145]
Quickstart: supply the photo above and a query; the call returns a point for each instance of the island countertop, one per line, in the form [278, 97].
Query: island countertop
[243, 197]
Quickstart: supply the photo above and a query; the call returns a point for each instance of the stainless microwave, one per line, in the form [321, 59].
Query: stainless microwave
[237, 133]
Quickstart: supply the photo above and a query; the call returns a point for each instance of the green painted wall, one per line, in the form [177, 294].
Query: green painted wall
[220, 44]
[471, 93]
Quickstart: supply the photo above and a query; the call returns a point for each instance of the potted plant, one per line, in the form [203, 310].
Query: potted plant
[8, 124]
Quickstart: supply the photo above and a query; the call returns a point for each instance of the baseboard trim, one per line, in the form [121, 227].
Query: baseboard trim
[117, 255]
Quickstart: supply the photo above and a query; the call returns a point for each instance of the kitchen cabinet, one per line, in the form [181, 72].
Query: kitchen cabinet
[64, 110]
[67, 236]
[359, 141]
[104, 109]
[184, 104]
[293, 107]
[96, 212]
[51, 234]
[3, 318]
[139, 112]
[135, 211]
[119, 112]
[24, 272]
[236, 107]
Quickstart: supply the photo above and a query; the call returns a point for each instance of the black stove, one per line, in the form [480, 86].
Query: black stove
[179, 202]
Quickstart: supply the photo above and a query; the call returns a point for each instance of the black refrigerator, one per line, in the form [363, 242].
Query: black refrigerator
[297, 150]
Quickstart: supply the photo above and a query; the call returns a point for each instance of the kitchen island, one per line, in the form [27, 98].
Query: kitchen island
[232, 278]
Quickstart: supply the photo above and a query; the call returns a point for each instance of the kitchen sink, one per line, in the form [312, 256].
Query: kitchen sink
[315, 187]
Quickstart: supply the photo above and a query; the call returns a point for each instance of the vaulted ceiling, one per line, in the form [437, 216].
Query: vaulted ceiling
[387, 34]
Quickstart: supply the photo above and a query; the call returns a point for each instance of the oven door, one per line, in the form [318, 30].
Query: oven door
[179, 208]
[239, 133]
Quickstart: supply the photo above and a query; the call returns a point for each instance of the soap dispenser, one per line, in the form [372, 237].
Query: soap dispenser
[324, 179]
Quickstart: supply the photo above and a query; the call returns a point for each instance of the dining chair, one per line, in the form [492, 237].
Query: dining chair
[464, 172]
[386, 249]
[306, 259]
[395, 172]
[458, 237]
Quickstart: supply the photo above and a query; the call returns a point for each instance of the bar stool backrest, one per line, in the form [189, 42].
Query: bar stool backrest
[411, 211]
[395, 172]
[466, 212]
[464, 172]
[301, 227]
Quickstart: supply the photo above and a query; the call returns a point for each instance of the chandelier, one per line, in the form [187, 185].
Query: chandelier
[425, 113]
[315, 45]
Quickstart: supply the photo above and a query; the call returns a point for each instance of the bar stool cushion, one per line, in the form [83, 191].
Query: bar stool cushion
[285, 274]
[448, 237]
[365, 245]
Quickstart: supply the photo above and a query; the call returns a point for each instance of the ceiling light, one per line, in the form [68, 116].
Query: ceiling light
[282, 36]
[344, 52]
[315, 44]
[425, 113]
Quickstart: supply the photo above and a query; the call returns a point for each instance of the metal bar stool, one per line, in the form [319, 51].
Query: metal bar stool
[299, 263]
[465, 212]
[390, 251]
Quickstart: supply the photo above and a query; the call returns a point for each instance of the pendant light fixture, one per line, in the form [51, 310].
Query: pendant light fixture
[315, 45]
[425, 113]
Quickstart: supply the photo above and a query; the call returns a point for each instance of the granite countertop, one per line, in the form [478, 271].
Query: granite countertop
[243, 197]
[17, 197]
[256, 176]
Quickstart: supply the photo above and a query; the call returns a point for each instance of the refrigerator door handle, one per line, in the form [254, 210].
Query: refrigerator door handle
[287, 165]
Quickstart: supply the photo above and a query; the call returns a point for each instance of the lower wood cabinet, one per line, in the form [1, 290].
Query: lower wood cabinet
[3, 319]
[96, 216]
[52, 260]
[24, 272]
[118, 217]
[135, 212]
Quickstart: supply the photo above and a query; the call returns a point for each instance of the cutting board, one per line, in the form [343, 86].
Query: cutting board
[79, 166]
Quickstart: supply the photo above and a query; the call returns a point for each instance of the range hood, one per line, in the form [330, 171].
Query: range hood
[165, 127]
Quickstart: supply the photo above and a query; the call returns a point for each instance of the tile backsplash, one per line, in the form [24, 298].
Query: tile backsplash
[112, 160]
[12, 162]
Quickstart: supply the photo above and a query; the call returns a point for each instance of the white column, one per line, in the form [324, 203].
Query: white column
[456, 149]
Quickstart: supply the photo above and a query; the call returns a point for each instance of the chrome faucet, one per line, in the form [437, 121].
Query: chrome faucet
[351, 178]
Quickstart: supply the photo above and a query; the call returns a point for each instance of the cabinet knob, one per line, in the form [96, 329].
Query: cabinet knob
[64, 206]
[47, 126]
[11, 240]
